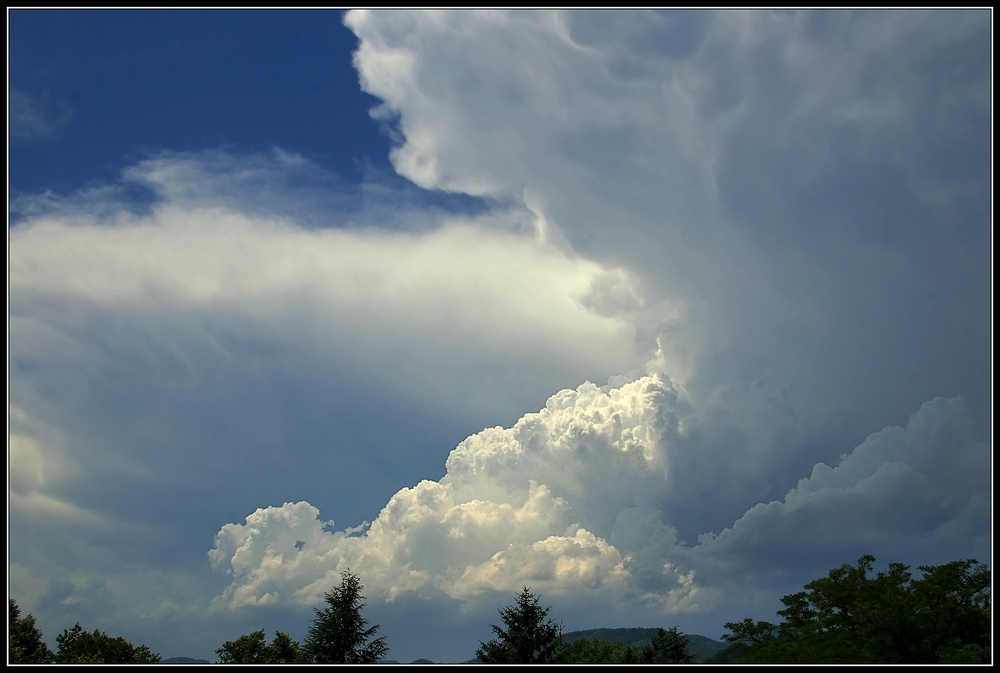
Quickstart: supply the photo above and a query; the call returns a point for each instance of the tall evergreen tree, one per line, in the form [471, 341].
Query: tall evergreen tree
[339, 633]
[528, 637]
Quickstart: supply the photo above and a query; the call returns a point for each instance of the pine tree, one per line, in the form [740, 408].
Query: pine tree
[339, 634]
[528, 639]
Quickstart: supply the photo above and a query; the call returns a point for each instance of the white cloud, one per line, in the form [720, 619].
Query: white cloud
[30, 117]
[178, 342]
[556, 501]
[570, 501]
[414, 310]
[770, 170]
[193, 340]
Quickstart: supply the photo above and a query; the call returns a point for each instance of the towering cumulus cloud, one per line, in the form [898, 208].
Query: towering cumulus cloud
[571, 500]
[566, 499]
[756, 169]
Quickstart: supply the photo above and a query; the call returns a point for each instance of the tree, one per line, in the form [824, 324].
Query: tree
[528, 639]
[24, 639]
[953, 612]
[76, 646]
[668, 646]
[253, 649]
[339, 634]
[595, 651]
[284, 650]
[851, 617]
[730, 654]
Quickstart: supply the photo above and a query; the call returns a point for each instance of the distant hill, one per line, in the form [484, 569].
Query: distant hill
[701, 648]
[637, 637]
[184, 660]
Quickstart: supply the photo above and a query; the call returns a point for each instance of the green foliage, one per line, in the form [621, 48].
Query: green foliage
[284, 650]
[851, 617]
[528, 637]
[732, 654]
[24, 639]
[253, 649]
[339, 634]
[76, 646]
[699, 647]
[595, 651]
[667, 647]
[633, 636]
[702, 648]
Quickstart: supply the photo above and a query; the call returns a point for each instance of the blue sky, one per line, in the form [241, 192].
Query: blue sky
[661, 314]
[113, 85]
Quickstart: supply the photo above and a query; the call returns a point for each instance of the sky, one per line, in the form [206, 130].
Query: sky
[661, 314]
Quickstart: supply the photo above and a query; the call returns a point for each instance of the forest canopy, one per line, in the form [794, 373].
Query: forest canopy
[854, 616]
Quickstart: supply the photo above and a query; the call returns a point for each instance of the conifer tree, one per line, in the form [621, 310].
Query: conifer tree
[339, 633]
[528, 637]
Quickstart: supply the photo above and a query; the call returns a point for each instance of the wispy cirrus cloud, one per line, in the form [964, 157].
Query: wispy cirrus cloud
[32, 117]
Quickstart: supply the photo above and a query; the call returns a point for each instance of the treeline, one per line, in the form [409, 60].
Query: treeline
[850, 616]
[74, 646]
[339, 634]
